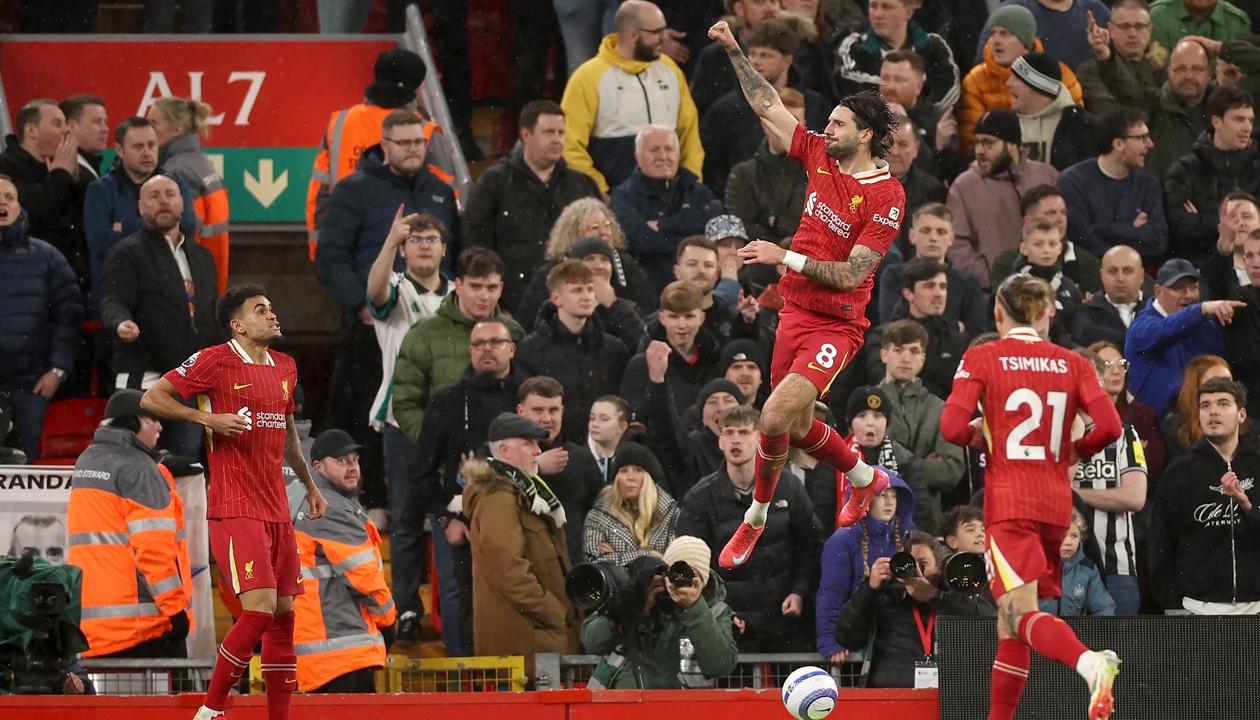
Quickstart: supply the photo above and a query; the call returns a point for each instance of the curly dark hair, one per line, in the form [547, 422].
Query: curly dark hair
[872, 113]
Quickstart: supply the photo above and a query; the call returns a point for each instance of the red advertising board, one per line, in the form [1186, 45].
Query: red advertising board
[264, 93]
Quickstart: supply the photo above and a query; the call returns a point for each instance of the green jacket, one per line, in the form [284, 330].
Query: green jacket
[434, 353]
[1173, 21]
[915, 422]
[651, 648]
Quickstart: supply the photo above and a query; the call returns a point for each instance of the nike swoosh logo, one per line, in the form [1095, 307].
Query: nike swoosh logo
[290, 681]
[822, 171]
[812, 366]
[741, 559]
[238, 386]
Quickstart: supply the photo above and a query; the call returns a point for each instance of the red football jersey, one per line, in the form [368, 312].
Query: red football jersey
[1029, 391]
[840, 211]
[245, 475]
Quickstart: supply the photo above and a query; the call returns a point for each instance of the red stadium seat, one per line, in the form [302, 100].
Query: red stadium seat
[68, 429]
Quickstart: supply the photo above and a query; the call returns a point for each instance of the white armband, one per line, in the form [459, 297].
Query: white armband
[795, 261]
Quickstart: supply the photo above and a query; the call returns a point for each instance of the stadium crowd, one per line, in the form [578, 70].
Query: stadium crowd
[587, 286]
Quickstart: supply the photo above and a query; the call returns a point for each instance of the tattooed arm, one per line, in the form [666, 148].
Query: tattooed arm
[843, 275]
[775, 118]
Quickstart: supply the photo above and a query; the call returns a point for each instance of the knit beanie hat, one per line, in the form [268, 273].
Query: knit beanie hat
[1040, 71]
[591, 246]
[867, 397]
[397, 73]
[694, 551]
[1018, 20]
[1001, 124]
[743, 350]
[716, 386]
[629, 453]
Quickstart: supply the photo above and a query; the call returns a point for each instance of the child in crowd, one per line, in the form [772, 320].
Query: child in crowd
[963, 529]
[1083, 591]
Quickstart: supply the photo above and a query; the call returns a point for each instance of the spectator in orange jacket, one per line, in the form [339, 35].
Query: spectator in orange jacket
[125, 520]
[345, 616]
[1013, 34]
[181, 126]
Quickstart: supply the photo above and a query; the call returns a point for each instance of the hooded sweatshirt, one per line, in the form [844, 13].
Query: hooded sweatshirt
[1038, 129]
[609, 99]
[848, 554]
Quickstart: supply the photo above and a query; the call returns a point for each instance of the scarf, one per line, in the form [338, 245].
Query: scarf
[542, 500]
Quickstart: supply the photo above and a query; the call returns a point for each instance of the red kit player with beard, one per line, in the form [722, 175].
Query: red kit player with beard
[853, 211]
[1029, 391]
[245, 391]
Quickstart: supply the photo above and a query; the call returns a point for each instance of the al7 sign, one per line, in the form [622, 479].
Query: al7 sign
[159, 88]
[264, 92]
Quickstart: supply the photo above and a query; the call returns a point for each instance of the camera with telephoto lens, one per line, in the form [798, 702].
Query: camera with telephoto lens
[965, 572]
[903, 566]
[613, 590]
[680, 574]
[41, 635]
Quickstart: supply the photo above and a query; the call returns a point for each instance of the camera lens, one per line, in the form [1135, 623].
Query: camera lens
[903, 566]
[680, 574]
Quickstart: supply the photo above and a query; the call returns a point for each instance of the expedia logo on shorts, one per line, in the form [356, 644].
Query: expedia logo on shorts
[273, 421]
[818, 209]
[893, 220]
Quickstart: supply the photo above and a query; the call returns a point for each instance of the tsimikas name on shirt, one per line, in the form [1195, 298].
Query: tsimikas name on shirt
[1018, 363]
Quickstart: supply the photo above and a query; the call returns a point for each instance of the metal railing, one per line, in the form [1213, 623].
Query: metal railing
[149, 676]
[757, 671]
[416, 40]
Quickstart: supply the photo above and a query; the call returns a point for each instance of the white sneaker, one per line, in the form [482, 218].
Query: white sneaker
[205, 713]
[1100, 679]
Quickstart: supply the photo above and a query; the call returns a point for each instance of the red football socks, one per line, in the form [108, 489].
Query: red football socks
[279, 666]
[1051, 637]
[825, 444]
[234, 655]
[1010, 673]
[772, 453]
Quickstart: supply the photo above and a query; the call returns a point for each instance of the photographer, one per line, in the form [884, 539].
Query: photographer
[645, 650]
[899, 602]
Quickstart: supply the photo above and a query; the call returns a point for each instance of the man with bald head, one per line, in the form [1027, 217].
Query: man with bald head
[158, 299]
[1109, 313]
[1178, 111]
[111, 207]
[627, 85]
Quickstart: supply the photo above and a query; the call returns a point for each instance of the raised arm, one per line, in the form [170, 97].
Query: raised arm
[775, 118]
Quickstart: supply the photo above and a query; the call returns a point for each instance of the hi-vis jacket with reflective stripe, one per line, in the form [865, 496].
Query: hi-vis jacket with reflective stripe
[345, 600]
[184, 157]
[126, 525]
[350, 132]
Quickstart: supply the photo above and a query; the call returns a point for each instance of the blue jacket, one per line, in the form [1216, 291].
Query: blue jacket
[1158, 349]
[358, 217]
[111, 213]
[1084, 592]
[1101, 210]
[844, 567]
[681, 206]
[41, 307]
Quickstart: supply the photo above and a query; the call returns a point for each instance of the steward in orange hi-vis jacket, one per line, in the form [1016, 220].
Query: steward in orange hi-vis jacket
[398, 75]
[126, 525]
[345, 615]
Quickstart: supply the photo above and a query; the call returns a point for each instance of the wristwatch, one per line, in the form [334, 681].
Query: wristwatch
[61, 374]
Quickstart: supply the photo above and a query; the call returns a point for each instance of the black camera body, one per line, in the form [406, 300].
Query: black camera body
[613, 590]
[903, 566]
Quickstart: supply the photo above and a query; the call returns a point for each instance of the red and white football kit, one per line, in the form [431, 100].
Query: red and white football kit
[1029, 392]
[251, 532]
[821, 328]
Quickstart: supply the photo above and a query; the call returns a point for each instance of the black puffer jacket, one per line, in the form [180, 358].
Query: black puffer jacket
[456, 422]
[787, 556]
[510, 210]
[52, 199]
[41, 307]
[1205, 177]
[628, 281]
[683, 377]
[588, 365]
[767, 193]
